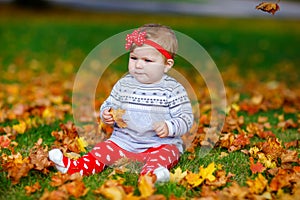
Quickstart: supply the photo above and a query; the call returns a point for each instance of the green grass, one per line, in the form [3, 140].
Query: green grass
[267, 47]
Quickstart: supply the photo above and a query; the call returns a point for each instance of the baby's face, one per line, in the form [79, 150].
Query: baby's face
[147, 65]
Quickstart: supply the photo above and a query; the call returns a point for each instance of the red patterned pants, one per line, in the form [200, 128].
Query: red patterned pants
[108, 153]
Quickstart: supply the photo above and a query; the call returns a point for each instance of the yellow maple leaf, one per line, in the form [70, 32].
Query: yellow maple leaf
[178, 175]
[195, 180]
[20, 128]
[82, 144]
[207, 173]
[146, 186]
[257, 185]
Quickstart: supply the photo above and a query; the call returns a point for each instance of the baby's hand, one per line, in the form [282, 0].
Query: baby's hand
[108, 117]
[161, 129]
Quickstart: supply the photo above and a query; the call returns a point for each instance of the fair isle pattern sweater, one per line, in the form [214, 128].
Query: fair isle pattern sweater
[146, 104]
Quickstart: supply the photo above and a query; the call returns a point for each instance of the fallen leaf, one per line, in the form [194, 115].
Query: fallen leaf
[20, 128]
[178, 175]
[4, 141]
[75, 188]
[258, 185]
[54, 195]
[16, 166]
[82, 144]
[195, 180]
[32, 189]
[268, 7]
[146, 186]
[256, 167]
[39, 156]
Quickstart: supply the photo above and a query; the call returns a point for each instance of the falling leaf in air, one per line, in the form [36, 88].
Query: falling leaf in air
[117, 115]
[268, 7]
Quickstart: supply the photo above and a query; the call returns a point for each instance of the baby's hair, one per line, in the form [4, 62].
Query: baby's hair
[163, 35]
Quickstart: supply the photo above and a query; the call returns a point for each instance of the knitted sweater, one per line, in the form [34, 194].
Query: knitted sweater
[146, 104]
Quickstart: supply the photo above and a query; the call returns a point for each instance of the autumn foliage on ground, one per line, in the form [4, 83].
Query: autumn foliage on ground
[273, 164]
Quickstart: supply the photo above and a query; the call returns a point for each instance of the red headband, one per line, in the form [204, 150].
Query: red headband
[139, 38]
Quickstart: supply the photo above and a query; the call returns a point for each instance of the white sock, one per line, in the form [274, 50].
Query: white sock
[56, 156]
[162, 174]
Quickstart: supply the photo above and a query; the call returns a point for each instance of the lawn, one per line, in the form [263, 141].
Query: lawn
[256, 155]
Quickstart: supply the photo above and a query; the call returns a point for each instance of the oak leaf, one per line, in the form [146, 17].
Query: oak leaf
[117, 116]
[268, 7]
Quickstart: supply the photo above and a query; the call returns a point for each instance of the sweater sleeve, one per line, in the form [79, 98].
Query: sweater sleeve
[181, 112]
[113, 100]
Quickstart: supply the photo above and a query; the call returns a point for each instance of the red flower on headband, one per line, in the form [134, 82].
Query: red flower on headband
[136, 37]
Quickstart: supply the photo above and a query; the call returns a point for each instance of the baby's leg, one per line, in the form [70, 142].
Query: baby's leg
[104, 153]
[159, 160]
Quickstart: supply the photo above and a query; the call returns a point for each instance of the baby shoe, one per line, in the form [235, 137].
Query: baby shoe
[162, 174]
[56, 156]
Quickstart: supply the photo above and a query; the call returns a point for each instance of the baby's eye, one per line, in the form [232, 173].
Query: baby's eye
[133, 58]
[148, 60]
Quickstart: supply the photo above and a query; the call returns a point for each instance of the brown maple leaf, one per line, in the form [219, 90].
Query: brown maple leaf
[16, 166]
[39, 157]
[117, 115]
[75, 188]
[268, 7]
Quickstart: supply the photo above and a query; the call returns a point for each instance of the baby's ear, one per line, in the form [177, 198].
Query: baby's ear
[169, 64]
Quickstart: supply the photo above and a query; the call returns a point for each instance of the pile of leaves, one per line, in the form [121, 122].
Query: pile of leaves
[273, 164]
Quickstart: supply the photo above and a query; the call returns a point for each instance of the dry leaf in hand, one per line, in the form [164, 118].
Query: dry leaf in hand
[268, 7]
[117, 115]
